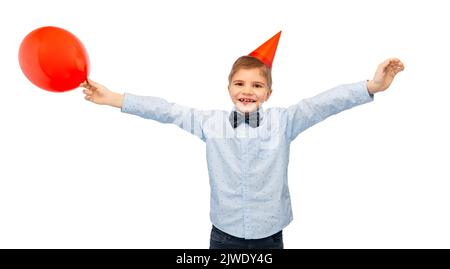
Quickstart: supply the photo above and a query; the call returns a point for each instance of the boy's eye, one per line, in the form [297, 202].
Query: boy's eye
[257, 86]
[239, 84]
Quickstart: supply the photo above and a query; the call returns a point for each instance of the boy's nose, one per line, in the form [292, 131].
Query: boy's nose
[247, 90]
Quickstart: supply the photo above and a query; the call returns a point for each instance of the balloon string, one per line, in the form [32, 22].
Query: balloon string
[87, 82]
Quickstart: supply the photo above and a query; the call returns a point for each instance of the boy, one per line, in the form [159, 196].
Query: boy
[248, 149]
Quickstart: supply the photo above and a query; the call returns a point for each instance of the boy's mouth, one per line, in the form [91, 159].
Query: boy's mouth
[246, 101]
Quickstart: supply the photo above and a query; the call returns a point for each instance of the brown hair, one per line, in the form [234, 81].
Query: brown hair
[248, 62]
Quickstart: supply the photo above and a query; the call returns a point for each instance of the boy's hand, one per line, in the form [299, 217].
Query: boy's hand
[384, 75]
[99, 94]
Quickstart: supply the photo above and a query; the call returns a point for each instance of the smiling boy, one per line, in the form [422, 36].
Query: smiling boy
[248, 85]
[248, 149]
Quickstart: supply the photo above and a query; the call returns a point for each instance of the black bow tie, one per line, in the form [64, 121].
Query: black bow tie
[251, 119]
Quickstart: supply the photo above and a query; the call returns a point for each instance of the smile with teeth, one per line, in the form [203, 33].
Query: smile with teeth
[246, 100]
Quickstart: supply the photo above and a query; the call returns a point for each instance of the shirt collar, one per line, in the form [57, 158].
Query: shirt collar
[260, 110]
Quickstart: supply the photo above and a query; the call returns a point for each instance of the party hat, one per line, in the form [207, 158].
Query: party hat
[266, 52]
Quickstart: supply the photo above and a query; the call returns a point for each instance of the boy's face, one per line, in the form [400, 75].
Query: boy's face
[248, 90]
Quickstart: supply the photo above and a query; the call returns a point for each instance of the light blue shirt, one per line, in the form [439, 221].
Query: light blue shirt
[248, 167]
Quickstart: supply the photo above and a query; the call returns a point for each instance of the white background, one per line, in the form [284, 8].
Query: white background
[77, 175]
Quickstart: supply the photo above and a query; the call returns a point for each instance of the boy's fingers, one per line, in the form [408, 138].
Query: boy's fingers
[397, 66]
[86, 86]
[385, 64]
[394, 65]
[391, 61]
[396, 62]
[92, 83]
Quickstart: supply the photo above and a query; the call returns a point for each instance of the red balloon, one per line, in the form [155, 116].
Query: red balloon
[54, 59]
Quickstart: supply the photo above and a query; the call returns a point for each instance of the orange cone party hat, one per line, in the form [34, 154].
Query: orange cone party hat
[266, 52]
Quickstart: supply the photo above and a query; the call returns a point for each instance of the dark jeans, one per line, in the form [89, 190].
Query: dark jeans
[222, 240]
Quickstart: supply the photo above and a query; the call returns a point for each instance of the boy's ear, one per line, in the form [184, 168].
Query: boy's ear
[269, 92]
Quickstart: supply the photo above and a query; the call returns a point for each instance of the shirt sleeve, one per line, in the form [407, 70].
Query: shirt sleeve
[313, 110]
[158, 109]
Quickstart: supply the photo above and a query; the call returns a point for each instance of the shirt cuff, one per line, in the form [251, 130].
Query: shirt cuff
[370, 94]
[363, 93]
[129, 103]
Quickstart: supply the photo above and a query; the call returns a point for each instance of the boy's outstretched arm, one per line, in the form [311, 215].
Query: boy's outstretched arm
[384, 75]
[147, 107]
[311, 111]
